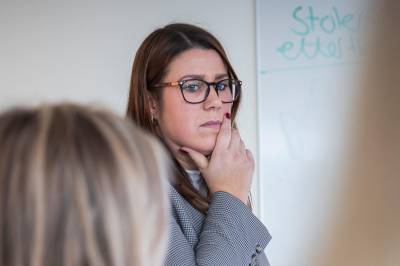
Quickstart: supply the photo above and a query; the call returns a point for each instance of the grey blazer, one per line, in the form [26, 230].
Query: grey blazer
[228, 235]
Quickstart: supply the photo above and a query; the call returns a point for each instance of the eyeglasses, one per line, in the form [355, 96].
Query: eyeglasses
[197, 90]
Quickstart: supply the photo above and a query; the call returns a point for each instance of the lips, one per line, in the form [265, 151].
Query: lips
[212, 124]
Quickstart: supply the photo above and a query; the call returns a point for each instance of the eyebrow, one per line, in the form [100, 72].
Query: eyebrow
[220, 76]
[193, 76]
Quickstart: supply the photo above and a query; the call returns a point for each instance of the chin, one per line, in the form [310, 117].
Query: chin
[206, 152]
[205, 147]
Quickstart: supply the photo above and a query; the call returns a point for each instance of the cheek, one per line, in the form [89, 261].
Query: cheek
[179, 123]
[181, 130]
[227, 108]
[178, 119]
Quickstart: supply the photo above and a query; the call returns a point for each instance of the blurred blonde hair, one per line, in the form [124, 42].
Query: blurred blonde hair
[80, 186]
[367, 226]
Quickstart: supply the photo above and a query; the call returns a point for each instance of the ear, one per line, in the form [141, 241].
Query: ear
[154, 107]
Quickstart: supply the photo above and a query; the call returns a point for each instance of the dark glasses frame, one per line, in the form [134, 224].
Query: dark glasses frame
[209, 84]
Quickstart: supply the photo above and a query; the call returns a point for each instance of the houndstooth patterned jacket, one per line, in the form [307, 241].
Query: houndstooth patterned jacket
[229, 234]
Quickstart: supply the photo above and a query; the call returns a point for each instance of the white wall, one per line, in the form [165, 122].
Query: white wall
[83, 50]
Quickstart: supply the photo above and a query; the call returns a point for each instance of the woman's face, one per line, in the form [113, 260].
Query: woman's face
[193, 125]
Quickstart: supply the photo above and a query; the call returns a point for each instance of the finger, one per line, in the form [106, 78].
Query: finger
[224, 134]
[249, 156]
[242, 146]
[199, 159]
[235, 140]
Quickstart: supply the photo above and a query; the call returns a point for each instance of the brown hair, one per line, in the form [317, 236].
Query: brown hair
[149, 68]
[79, 186]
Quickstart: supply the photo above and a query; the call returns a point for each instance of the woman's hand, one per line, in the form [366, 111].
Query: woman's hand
[231, 165]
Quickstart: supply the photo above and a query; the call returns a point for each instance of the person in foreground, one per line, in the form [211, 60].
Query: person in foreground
[185, 91]
[80, 186]
[366, 229]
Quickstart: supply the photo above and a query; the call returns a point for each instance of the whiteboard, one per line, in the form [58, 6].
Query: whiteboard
[307, 55]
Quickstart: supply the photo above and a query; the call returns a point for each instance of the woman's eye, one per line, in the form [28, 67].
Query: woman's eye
[192, 86]
[221, 86]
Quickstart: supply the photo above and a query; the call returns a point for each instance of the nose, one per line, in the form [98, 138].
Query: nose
[213, 101]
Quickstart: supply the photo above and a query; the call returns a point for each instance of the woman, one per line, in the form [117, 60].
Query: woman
[184, 90]
[366, 230]
[79, 187]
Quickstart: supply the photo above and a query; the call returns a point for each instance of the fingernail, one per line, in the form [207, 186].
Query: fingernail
[228, 115]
